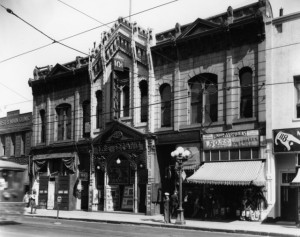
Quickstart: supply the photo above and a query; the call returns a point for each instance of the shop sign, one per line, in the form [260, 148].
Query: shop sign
[286, 140]
[120, 146]
[229, 140]
[83, 176]
[13, 121]
[118, 64]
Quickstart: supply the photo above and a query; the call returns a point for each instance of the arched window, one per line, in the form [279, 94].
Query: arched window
[64, 122]
[86, 120]
[42, 126]
[165, 95]
[204, 98]
[246, 100]
[125, 101]
[144, 101]
[99, 109]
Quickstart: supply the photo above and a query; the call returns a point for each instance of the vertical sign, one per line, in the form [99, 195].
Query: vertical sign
[118, 64]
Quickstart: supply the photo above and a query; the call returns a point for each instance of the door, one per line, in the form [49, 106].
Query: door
[288, 203]
[43, 192]
[51, 192]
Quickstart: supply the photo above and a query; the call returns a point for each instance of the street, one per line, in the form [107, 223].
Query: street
[46, 227]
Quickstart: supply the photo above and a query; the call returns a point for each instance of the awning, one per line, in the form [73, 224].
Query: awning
[53, 156]
[11, 165]
[230, 173]
[296, 180]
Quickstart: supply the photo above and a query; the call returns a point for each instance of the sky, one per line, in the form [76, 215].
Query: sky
[58, 19]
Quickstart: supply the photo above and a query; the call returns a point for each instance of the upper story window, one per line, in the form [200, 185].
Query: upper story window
[144, 101]
[99, 109]
[246, 99]
[86, 124]
[23, 143]
[64, 122]
[2, 145]
[42, 126]
[125, 94]
[297, 95]
[204, 98]
[165, 96]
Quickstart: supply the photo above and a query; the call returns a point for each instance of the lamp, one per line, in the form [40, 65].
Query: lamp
[118, 161]
[180, 155]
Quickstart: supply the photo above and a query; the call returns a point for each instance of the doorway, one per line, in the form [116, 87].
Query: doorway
[288, 203]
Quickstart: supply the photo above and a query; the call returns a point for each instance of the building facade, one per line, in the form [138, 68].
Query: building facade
[61, 145]
[15, 139]
[283, 115]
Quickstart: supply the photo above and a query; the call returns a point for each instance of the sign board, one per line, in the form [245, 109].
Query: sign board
[118, 64]
[286, 140]
[230, 140]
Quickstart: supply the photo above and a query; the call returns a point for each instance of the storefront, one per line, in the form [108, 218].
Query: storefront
[126, 174]
[232, 176]
[286, 144]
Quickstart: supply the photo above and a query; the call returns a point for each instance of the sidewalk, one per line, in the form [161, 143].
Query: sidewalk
[243, 227]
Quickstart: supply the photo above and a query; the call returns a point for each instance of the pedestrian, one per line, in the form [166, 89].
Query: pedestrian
[196, 206]
[174, 203]
[26, 199]
[33, 202]
[167, 217]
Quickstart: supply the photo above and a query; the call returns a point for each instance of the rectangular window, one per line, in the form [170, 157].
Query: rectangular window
[232, 154]
[297, 95]
[23, 142]
[215, 155]
[13, 145]
[2, 146]
[64, 122]
[245, 154]
[224, 155]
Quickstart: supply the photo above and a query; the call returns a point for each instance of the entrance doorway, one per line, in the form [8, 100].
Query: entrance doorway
[288, 203]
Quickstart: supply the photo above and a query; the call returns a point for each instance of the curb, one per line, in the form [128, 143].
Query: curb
[170, 226]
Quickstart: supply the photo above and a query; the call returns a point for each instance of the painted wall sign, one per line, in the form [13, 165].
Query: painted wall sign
[286, 140]
[238, 139]
[118, 64]
[13, 121]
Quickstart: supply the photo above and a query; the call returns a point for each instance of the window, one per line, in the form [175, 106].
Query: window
[165, 94]
[144, 101]
[23, 142]
[99, 109]
[43, 126]
[232, 154]
[246, 99]
[86, 120]
[2, 146]
[125, 101]
[13, 145]
[297, 88]
[63, 122]
[203, 98]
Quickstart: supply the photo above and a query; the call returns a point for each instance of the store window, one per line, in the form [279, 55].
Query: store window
[125, 94]
[144, 100]
[203, 98]
[86, 119]
[297, 95]
[2, 145]
[64, 121]
[99, 109]
[232, 154]
[165, 96]
[42, 126]
[246, 93]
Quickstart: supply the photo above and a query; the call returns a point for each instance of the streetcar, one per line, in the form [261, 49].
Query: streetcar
[11, 191]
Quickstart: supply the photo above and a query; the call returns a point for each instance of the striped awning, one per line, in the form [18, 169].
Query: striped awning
[296, 180]
[230, 173]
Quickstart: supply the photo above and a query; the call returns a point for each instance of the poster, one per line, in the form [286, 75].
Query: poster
[127, 201]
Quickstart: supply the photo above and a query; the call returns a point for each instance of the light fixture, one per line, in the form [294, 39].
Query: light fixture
[118, 161]
[98, 167]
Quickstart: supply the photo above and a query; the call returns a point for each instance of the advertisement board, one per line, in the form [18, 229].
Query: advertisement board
[286, 140]
[231, 140]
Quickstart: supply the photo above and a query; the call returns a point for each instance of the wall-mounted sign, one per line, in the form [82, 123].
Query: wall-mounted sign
[231, 140]
[15, 120]
[118, 64]
[286, 140]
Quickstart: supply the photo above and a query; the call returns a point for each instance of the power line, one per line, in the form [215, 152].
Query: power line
[17, 93]
[49, 37]
[83, 32]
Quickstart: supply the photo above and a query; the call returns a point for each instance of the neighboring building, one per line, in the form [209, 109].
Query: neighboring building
[15, 139]
[283, 116]
[61, 142]
[210, 80]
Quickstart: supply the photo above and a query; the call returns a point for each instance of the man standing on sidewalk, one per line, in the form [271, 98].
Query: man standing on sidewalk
[174, 203]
